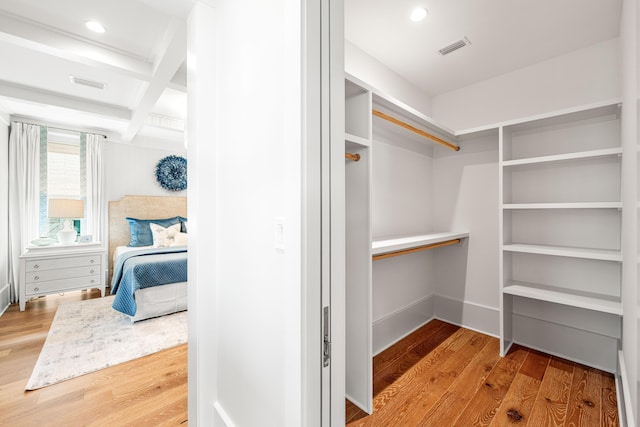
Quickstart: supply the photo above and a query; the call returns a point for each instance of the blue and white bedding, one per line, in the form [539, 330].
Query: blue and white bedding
[144, 268]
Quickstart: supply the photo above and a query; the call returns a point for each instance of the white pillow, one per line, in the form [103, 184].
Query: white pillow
[163, 236]
[180, 239]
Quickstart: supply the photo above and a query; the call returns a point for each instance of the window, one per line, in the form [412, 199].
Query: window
[62, 174]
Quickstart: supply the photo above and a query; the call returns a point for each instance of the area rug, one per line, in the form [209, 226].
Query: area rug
[89, 335]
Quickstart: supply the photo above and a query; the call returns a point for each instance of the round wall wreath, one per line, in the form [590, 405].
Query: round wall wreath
[171, 173]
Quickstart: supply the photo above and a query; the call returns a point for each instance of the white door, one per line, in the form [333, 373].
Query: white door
[324, 268]
[333, 212]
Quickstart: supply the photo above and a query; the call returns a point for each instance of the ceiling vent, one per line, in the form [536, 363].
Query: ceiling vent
[454, 46]
[86, 82]
[165, 122]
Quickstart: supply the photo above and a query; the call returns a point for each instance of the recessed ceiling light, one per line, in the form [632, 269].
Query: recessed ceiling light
[95, 26]
[419, 14]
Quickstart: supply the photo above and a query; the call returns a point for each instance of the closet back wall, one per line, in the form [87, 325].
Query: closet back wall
[580, 77]
[465, 197]
[401, 187]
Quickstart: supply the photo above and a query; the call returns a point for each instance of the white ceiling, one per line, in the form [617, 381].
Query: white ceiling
[141, 56]
[505, 35]
[140, 59]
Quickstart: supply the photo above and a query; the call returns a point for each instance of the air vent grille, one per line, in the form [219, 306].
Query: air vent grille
[86, 82]
[454, 46]
[165, 122]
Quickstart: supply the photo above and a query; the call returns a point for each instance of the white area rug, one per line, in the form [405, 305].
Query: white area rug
[87, 336]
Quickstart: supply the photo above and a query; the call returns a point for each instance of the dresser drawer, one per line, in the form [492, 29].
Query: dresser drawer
[61, 273]
[57, 263]
[63, 285]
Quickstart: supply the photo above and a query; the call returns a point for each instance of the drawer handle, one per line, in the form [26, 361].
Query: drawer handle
[36, 266]
[92, 281]
[36, 289]
[36, 278]
[91, 271]
[92, 261]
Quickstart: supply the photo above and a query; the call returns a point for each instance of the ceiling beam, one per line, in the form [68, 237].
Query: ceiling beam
[179, 81]
[45, 97]
[171, 55]
[59, 126]
[41, 38]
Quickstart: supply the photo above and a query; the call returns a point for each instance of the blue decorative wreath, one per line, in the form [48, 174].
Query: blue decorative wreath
[171, 173]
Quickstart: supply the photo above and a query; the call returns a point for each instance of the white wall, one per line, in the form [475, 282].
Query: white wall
[580, 77]
[401, 183]
[4, 213]
[130, 170]
[201, 204]
[629, 125]
[247, 173]
[401, 204]
[368, 69]
[465, 198]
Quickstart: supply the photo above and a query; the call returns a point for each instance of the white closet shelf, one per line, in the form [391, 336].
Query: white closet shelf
[572, 205]
[397, 243]
[390, 105]
[357, 140]
[596, 254]
[593, 154]
[587, 301]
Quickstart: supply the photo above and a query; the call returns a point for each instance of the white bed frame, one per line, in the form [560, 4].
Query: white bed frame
[159, 300]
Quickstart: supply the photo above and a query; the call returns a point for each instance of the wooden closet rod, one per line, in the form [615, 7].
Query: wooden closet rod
[416, 249]
[415, 130]
[350, 156]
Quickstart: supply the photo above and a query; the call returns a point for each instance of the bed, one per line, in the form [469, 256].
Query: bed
[147, 281]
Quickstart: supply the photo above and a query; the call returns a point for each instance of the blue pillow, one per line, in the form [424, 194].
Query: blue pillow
[140, 232]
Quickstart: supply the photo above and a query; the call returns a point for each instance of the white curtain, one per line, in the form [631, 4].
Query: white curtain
[24, 193]
[96, 197]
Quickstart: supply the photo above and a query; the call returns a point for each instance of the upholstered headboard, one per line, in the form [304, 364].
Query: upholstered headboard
[141, 207]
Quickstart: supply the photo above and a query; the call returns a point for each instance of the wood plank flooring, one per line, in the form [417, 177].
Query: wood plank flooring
[443, 375]
[150, 391]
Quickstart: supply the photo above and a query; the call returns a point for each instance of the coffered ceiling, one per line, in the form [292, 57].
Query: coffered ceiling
[139, 60]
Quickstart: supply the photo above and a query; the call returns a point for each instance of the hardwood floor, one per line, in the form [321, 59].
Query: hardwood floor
[443, 375]
[150, 391]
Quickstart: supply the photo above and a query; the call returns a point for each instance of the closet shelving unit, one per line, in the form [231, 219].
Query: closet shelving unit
[560, 215]
[366, 109]
[358, 142]
[401, 245]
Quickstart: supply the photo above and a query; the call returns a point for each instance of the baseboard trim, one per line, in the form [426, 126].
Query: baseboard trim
[476, 317]
[396, 325]
[625, 410]
[222, 415]
[357, 403]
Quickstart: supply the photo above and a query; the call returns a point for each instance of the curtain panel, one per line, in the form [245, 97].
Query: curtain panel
[24, 195]
[95, 191]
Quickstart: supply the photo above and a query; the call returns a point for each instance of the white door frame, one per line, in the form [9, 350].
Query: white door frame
[334, 221]
[325, 192]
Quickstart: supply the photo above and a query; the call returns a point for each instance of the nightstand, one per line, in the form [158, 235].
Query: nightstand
[54, 269]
